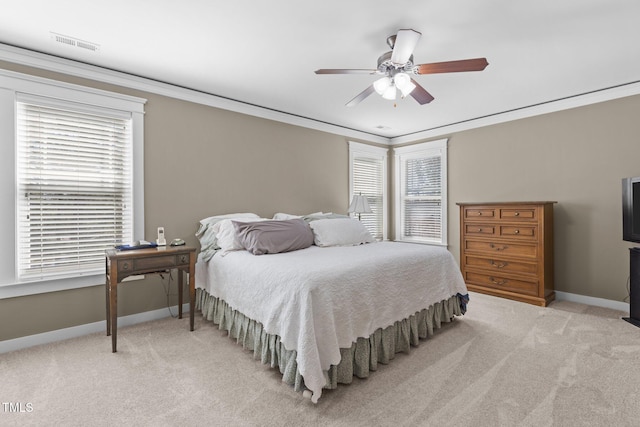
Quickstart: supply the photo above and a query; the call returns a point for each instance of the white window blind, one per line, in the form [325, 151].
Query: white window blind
[74, 176]
[423, 198]
[368, 177]
[367, 180]
[421, 192]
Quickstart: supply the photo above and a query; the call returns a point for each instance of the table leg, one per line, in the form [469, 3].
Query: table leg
[113, 308]
[192, 293]
[108, 311]
[180, 285]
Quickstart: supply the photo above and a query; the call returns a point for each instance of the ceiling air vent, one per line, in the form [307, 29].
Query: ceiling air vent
[74, 42]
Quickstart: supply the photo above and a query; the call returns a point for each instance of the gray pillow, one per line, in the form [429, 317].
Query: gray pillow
[276, 236]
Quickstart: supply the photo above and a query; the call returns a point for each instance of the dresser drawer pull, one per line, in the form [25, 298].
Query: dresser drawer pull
[500, 265]
[516, 232]
[517, 214]
[500, 283]
[504, 247]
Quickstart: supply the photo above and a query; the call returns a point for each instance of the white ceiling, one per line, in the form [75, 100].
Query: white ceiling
[264, 53]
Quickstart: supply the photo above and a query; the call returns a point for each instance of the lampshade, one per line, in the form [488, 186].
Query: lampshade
[381, 85]
[359, 205]
[390, 93]
[403, 82]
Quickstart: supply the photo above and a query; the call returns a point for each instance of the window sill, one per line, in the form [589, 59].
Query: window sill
[13, 290]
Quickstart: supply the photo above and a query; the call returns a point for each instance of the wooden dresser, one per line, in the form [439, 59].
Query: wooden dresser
[506, 250]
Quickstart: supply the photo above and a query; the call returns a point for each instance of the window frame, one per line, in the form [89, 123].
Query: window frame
[13, 85]
[436, 148]
[360, 150]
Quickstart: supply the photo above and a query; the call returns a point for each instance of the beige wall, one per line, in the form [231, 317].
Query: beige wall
[201, 161]
[575, 157]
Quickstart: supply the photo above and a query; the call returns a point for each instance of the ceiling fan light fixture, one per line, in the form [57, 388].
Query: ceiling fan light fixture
[390, 93]
[381, 85]
[407, 88]
[403, 82]
[401, 79]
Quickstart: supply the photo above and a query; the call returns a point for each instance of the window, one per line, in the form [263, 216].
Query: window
[368, 176]
[421, 192]
[72, 177]
[74, 187]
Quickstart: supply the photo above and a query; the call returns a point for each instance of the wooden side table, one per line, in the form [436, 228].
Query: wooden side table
[122, 264]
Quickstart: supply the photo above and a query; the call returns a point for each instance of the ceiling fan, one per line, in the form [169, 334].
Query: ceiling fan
[396, 67]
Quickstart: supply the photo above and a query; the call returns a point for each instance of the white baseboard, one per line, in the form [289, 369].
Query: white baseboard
[88, 328]
[598, 302]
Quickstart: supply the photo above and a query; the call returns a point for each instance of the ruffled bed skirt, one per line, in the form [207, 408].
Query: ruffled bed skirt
[361, 358]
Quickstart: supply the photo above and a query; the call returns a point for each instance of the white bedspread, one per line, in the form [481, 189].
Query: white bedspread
[319, 300]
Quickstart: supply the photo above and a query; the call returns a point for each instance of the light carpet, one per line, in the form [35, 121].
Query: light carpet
[504, 363]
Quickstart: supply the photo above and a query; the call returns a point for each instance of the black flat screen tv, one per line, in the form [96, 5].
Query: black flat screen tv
[631, 209]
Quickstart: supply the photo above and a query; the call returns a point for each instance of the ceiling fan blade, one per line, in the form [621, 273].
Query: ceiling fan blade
[476, 64]
[362, 95]
[405, 43]
[420, 94]
[344, 71]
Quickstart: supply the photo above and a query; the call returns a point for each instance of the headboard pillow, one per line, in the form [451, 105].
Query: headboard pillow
[208, 237]
[228, 239]
[217, 218]
[323, 215]
[340, 232]
[281, 215]
[274, 236]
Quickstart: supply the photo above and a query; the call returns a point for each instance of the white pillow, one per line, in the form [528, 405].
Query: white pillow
[228, 237]
[207, 235]
[282, 216]
[340, 232]
[213, 219]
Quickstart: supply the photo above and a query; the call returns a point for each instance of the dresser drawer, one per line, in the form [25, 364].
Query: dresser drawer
[502, 265]
[523, 231]
[480, 213]
[477, 229]
[518, 214]
[520, 249]
[148, 264]
[503, 283]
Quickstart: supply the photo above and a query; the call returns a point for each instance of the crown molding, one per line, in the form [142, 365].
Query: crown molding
[43, 61]
[78, 69]
[567, 103]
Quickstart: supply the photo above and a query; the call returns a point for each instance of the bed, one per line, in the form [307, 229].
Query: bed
[324, 313]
